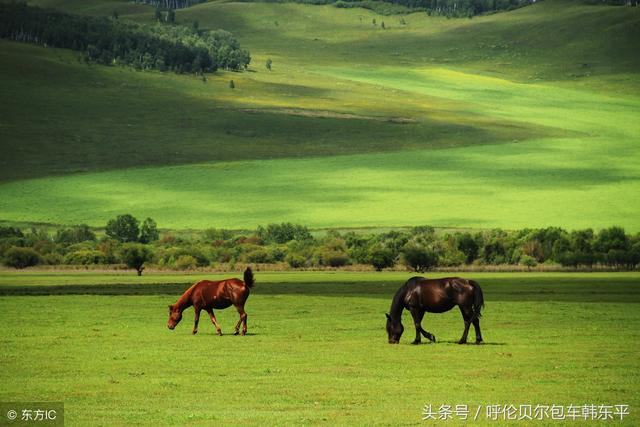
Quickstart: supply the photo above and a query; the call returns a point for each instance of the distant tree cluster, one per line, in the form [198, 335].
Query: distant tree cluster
[171, 4]
[134, 244]
[450, 8]
[111, 41]
[615, 2]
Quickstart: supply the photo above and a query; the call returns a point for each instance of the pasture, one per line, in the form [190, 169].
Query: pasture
[527, 117]
[316, 352]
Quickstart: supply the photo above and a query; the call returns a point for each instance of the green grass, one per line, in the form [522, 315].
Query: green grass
[317, 351]
[519, 119]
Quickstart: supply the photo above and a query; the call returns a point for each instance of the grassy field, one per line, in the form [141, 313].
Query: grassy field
[316, 352]
[517, 119]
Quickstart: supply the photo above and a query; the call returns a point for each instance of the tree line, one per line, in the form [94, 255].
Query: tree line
[171, 4]
[109, 41]
[126, 240]
[450, 8]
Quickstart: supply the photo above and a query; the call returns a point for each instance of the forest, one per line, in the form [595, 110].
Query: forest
[449, 8]
[109, 41]
[170, 4]
[127, 241]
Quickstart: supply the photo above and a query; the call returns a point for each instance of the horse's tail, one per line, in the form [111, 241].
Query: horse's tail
[478, 299]
[248, 278]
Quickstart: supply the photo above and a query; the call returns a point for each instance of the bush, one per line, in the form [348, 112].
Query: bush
[10, 232]
[214, 234]
[52, 258]
[258, 256]
[283, 233]
[382, 258]
[80, 233]
[419, 258]
[135, 255]
[332, 258]
[85, 257]
[528, 261]
[21, 257]
[296, 260]
[185, 262]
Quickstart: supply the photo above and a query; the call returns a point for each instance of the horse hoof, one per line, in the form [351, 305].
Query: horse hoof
[462, 342]
[219, 333]
[416, 342]
[194, 332]
[236, 333]
[479, 342]
[244, 333]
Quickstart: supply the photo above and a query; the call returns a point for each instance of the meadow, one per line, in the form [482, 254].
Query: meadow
[518, 119]
[316, 352]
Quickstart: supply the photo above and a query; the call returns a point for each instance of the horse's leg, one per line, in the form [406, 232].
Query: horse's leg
[417, 315]
[467, 315]
[214, 321]
[196, 320]
[428, 335]
[476, 326]
[243, 320]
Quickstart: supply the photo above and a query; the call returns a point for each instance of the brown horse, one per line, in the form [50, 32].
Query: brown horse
[420, 295]
[207, 295]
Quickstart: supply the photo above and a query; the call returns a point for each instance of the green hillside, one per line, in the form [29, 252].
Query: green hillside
[525, 118]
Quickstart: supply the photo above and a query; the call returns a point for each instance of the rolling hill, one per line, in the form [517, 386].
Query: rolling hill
[519, 119]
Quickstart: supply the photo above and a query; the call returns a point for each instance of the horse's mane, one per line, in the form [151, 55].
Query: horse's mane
[397, 304]
[185, 297]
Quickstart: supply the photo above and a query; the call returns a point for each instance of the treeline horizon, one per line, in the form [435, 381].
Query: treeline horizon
[449, 8]
[136, 244]
[110, 41]
[170, 4]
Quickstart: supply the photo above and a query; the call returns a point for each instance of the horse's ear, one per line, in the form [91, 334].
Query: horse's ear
[388, 317]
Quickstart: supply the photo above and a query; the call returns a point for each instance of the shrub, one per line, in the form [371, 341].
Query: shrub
[21, 257]
[419, 258]
[185, 262]
[10, 232]
[283, 233]
[52, 258]
[528, 261]
[382, 258]
[332, 258]
[258, 256]
[135, 255]
[84, 257]
[80, 233]
[213, 234]
[296, 260]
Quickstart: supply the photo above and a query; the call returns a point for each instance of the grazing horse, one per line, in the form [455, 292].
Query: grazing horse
[207, 295]
[420, 295]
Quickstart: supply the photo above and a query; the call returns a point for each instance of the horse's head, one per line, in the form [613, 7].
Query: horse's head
[175, 316]
[394, 330]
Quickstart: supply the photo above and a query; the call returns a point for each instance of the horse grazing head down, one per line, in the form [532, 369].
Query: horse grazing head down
[175, 316]
[394, 330]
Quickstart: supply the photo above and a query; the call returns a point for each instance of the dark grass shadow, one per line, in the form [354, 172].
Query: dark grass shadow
[510, 289]
[471, 343]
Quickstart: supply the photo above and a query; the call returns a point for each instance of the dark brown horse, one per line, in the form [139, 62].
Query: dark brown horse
[207, 295]
[420, 295]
